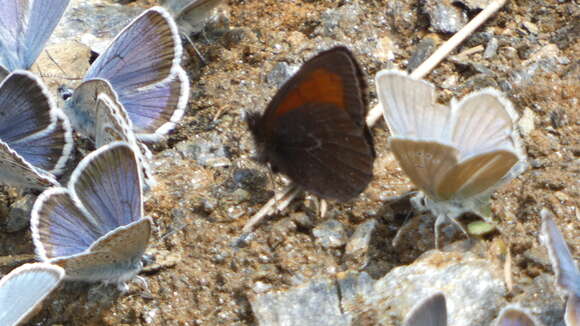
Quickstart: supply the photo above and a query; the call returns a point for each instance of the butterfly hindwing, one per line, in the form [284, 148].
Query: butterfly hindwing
[481, 122]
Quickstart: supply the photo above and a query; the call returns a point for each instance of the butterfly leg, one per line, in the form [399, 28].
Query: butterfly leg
[123, 287]
[412, 223]
[277, 203]
[442, 219]
[142, 282]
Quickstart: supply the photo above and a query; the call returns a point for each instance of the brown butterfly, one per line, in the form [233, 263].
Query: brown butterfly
[314, 129]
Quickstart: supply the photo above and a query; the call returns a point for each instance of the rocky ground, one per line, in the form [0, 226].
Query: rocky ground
[342, 267]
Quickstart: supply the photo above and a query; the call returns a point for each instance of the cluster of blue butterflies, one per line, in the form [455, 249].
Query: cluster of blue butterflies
[135, 92]
[313, 131]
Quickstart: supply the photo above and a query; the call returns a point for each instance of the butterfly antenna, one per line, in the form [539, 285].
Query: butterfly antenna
[172, 232]
[195, 49]
[58, 66]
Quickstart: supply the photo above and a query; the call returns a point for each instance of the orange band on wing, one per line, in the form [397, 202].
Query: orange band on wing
[321, 86]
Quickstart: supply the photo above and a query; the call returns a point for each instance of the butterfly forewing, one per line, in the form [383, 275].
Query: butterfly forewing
[60, 226]
[429, 312]
[113, 125]
[109, 186]
[24, 288]
[476, 175]
[409, 107]
[332, 77]
[425, 162]
[50, 149]
[482, 121]
[142, 54]
[24, 103]
[43, 18]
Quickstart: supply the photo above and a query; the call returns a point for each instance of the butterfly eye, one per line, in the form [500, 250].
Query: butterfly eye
[93, 57]
[65, 92]
[147, 260]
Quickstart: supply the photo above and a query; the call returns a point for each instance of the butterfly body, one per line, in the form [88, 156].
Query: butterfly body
[313, 130]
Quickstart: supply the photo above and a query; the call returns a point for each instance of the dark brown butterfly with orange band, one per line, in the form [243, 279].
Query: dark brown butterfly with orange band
[314, 128]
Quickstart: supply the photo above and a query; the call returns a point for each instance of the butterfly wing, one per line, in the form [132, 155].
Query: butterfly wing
[108, 184]
[25, 26]
[567, 274]
[154, 111]
[50, 149]
[31, 124]
[425, 162]
[191, 14]
[81, 106]
[113, 125]
[483, 121]
[142, 65]
[60, 226]
[116, 256]
[308, 154]
[511, 316]
[572, 316]
[127, 241]
[16, 171]
[477, 175]
[316, 121]
[409, 106]
[24, 288]
[112, 122]
[429, 312]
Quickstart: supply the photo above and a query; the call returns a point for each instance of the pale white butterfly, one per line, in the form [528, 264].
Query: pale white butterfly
[95, 228]
[432, 311]
[514, 316]
[24, 288]
[191, 15]
[567, 274]
[458, 155]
